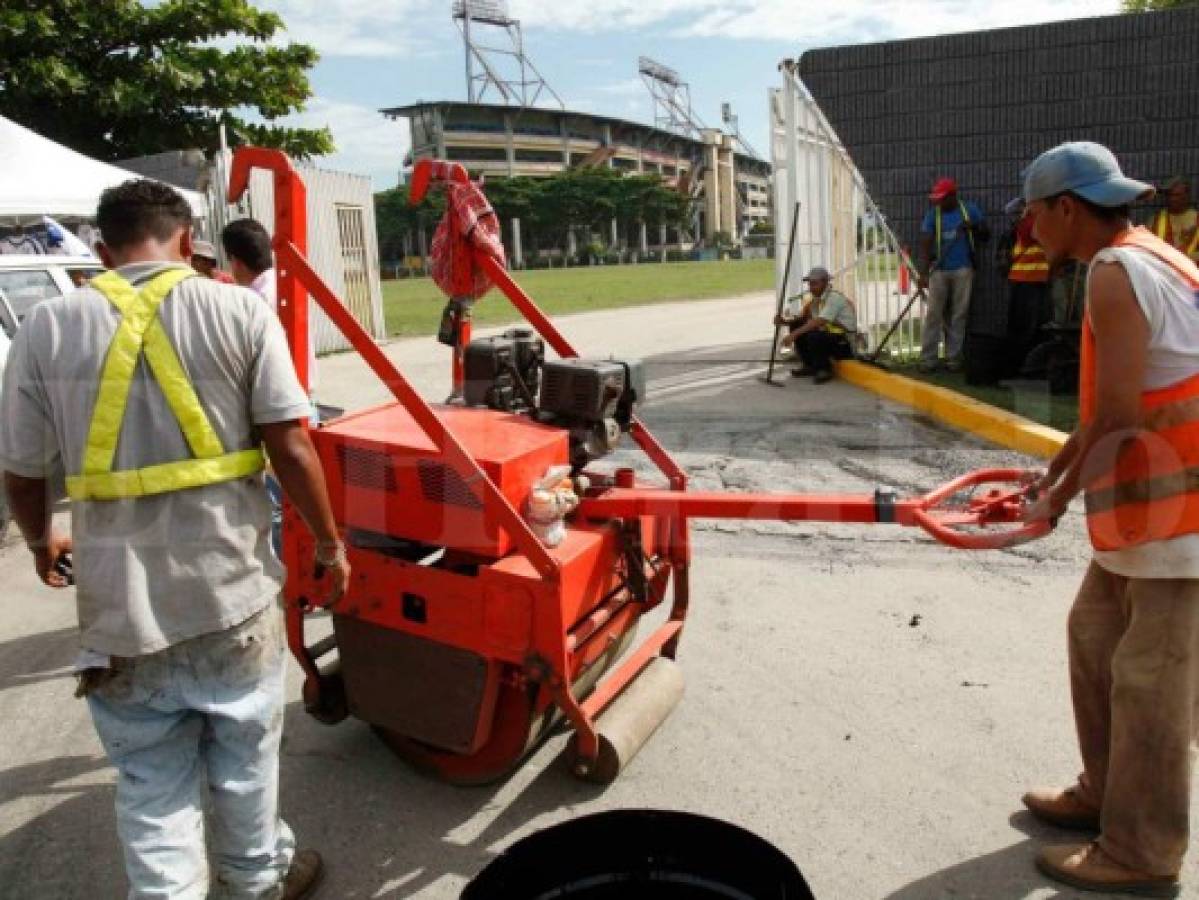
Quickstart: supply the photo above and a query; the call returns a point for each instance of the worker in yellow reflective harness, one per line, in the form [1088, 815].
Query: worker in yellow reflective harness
[1178, 223]
[156, 390]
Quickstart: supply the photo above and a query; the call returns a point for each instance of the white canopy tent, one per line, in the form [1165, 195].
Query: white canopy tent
[39, 177]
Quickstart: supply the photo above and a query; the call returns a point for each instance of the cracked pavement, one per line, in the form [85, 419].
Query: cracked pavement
[870, 702]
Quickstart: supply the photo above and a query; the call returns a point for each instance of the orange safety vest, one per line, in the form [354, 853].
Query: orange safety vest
[1152, 491]
[1161, 227]
[1029, 263]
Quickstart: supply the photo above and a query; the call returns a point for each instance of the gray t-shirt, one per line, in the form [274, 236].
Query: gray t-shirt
[835, 307]
[153, 571]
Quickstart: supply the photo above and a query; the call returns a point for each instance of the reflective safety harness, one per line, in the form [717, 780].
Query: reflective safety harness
[1163, 229]
[1151, 493]
[817, 303]
[139, 334]
[965, 221]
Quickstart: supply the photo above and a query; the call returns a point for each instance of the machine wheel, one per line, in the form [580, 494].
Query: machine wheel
[524, 717]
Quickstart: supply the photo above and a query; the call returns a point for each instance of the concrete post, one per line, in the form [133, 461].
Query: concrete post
[509, 145]
[518, 256]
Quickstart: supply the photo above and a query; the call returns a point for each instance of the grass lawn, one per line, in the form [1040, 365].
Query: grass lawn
[413, 306]
[1030, 399]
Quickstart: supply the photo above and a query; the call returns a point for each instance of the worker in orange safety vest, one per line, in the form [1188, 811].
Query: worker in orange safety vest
[1028, 288]
[1178, 223]
[1133, 632]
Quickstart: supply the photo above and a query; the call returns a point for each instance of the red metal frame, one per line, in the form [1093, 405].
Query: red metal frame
[552, 659]
[930, 512]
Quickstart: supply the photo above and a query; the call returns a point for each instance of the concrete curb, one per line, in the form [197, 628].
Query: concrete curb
[996, 425]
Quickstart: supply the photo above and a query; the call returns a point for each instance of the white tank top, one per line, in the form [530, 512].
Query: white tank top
[1171, 306]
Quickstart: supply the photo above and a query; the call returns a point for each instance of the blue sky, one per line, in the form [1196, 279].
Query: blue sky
[378, 53]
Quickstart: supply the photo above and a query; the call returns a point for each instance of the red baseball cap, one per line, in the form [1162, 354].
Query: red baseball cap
[942, 188]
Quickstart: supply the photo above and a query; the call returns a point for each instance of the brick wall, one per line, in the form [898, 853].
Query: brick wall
[981, 106]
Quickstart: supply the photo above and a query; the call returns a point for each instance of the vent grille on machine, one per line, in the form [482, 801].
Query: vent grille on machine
[367, 468]
[441, 484]
[551, 389]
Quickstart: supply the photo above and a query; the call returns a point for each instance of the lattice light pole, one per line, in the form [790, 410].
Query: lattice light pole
[672, 98]
[506, 69]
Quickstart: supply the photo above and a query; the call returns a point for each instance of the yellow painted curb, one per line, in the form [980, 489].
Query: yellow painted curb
[996, 425]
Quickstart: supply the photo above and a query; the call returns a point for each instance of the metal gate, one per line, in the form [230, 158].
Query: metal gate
[355, 264]
[838, 225]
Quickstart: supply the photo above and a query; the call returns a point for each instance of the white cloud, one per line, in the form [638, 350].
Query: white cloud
[364, 28]
[788, 20]
[630, 87]
[391, 28]
[858, 20]
[611, 15]
[367, 142]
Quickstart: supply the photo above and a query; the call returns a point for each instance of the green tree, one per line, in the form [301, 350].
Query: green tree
[584, 200]
[395, 219]
[115, 79]
[1151, 5]
[512, 198]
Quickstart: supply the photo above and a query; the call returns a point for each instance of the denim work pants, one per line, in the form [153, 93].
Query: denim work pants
[1134, 677]
[203, 714]
[948, 311]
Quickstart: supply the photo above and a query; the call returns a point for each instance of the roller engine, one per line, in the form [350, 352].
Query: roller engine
[593, 400]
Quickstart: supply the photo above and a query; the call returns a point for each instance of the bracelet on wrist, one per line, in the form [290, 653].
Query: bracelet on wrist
[330, 553]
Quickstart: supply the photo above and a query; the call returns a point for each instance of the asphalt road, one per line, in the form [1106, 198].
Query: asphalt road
[870, 702]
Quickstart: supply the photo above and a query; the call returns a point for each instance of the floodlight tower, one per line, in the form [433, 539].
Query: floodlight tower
[672, 98]
[732, 123]
[505, 69]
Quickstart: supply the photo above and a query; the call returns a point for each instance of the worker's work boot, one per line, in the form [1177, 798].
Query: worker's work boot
[824, 376]
[1063, 808]
[1088, 868]
[305, 874]
[803, 372]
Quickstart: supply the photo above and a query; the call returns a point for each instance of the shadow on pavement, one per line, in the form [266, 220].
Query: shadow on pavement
[1007, 874]
[37, 657]
[387, 831]
[71, 849]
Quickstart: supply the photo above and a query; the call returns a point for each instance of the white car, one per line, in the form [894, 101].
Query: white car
[28, 280]
[24, 282]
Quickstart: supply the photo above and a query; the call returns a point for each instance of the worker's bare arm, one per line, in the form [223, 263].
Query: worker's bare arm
[812, 324]
[299, 471]
[1121, 345]
[31, 507]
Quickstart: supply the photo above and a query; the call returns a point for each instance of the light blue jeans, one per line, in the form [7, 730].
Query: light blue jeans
[203, 714]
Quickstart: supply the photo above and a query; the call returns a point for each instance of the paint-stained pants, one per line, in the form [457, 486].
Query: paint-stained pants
[1134, 677]
[948, 311]
[203, 714]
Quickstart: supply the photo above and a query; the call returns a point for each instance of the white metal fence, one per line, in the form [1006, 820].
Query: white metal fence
[838, 226]
[342, 243]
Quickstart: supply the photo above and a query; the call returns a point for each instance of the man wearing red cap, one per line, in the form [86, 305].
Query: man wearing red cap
[950, 233]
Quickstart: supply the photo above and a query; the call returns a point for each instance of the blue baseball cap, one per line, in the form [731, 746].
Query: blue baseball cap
[1084, 168]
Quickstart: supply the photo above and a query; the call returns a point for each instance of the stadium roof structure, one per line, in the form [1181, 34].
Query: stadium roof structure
[624, 126]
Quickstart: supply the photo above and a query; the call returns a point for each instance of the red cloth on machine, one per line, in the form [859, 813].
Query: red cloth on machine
[469, 225]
